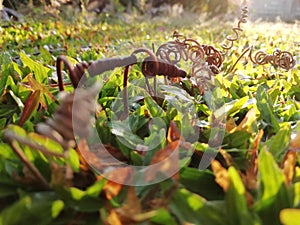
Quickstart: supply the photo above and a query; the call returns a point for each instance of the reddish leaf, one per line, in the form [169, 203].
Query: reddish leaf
[30, 106]
[44, 90]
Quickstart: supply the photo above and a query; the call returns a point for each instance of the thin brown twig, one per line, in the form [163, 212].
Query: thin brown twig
[35, 146]
[16, 148]
[125, 90]
[239, 58]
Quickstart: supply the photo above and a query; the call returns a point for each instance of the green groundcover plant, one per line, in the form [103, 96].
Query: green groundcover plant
[253, 176]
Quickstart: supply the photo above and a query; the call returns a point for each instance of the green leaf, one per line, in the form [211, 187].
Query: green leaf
[155, 141]
[180, 93]
[191, 208]
[40, 72]
[85, 201]
[297, 194]
[7, 111]
[154, 109]
[237, 139]
[266, 109]
[8, 187]
[279, 143]
[290, 216]
[233, 107]
[163, 217]
[273, 194]
[73, 160]
[136, 158]
[215, 100]
[6, 71]
[201, 182]
[6, 152]
[15, 130]
[46, 96]
[57, 207]
[236, 206]
[49, 144]
[125, 135]
[36, 207]
[45, 54]
[271, 177]
[16, 99]
[95, 189]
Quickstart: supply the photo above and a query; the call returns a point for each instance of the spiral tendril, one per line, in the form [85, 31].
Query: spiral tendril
[279, 58]
[231, 39]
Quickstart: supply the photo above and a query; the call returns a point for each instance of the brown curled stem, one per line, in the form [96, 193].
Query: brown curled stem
[59, 63]
[148, 86]
[153, 60]
[150, 53]
[282, 59]
[155, 83]
[16, 148]
[232, 38]
[94, 68]
[238, 59]
[125, 97]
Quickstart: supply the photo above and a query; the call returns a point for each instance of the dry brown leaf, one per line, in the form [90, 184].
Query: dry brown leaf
[116, 179]
[112, 189]
[165, 152]
[130, 208]
[88, 159]
[167, 160]
[175, 79]
[295, 142]
[252, 168]
[58, 175]
[246, 124]
[257, 140]
[221, 174]
[288, 166]
[100, 156]
[113, 219]
[157, 203]
[173, 132]
[84, 154]
[226, 156]
[230, 124]
[249, 199]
